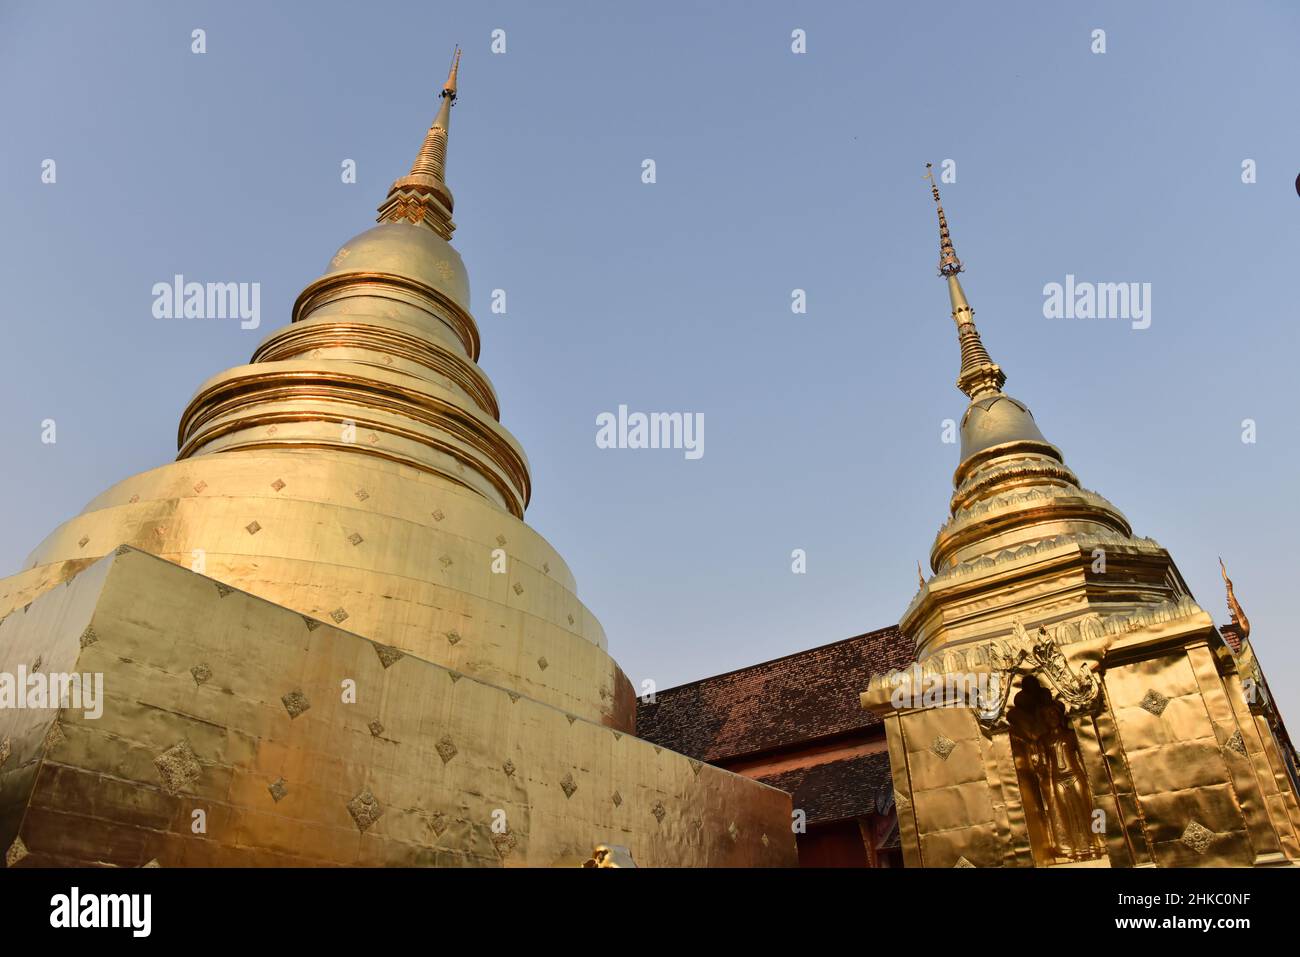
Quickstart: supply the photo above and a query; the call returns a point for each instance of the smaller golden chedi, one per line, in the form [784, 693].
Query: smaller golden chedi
[1111, 726]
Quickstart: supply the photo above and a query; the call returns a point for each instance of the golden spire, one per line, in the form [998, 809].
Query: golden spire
[980, 376]
[433, 154]
[1234, 607]
[422, 196]
[920, 575]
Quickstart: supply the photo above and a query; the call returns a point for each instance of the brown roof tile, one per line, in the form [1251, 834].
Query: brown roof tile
[838, 789]
[777, 704]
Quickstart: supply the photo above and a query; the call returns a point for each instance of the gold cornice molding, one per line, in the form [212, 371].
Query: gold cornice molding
[1017, 472]
[1032, 579]
[1023, 512]
[1105, 638]
[336, 286]
[298, 340]
[1020, 447]
[347, 394]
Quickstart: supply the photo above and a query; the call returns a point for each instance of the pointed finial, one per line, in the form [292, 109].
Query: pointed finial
[422, 197]
[920, 575]
[1234, 607]
[980, 376]
[949, 264]
[449, 88]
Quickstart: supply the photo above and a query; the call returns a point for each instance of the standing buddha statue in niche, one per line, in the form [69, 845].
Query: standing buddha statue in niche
[1052, 778]
[1054, 760]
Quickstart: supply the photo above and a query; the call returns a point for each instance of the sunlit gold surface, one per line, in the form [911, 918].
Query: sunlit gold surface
[356, 479]
[1040, 583]
[221, 702]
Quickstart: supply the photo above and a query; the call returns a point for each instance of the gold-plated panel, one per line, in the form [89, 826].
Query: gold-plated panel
[1179, 775]
[422, 766]
[905, 806]
[1250, 791]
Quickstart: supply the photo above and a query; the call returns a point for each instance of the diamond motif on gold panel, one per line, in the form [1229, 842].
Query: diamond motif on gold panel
[388, 655]
[295, 702]
[447, 748]
[1236, 743]
[567, 785]
[278, 790]
[55, 736]
[962, 862]
[339, 616]
[504, 843]
[943, 746]
[365, 810]
[201, 673]
[1197, 837]
[178, 766]
[1154, 702]
[17, 851]
[658, 811]
[253, 528]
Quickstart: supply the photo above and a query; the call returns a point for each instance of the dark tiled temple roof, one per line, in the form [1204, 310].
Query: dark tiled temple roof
[788, 701]
[854, 787]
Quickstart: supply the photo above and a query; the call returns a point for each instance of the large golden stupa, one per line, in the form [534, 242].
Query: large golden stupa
[327, 628]
[1071, 703]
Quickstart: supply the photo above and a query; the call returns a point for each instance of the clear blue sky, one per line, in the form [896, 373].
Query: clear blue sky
[775, 171]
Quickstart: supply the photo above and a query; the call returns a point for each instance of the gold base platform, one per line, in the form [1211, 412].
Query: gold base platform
[238, 732]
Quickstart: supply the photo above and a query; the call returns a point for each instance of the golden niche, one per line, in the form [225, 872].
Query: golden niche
[1053, 784]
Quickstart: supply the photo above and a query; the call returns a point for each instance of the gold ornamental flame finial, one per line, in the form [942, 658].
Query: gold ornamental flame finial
[1234, 607]
[920, 575]
[949, 264]
[422, 196]
[449, 88]
[980, 376]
